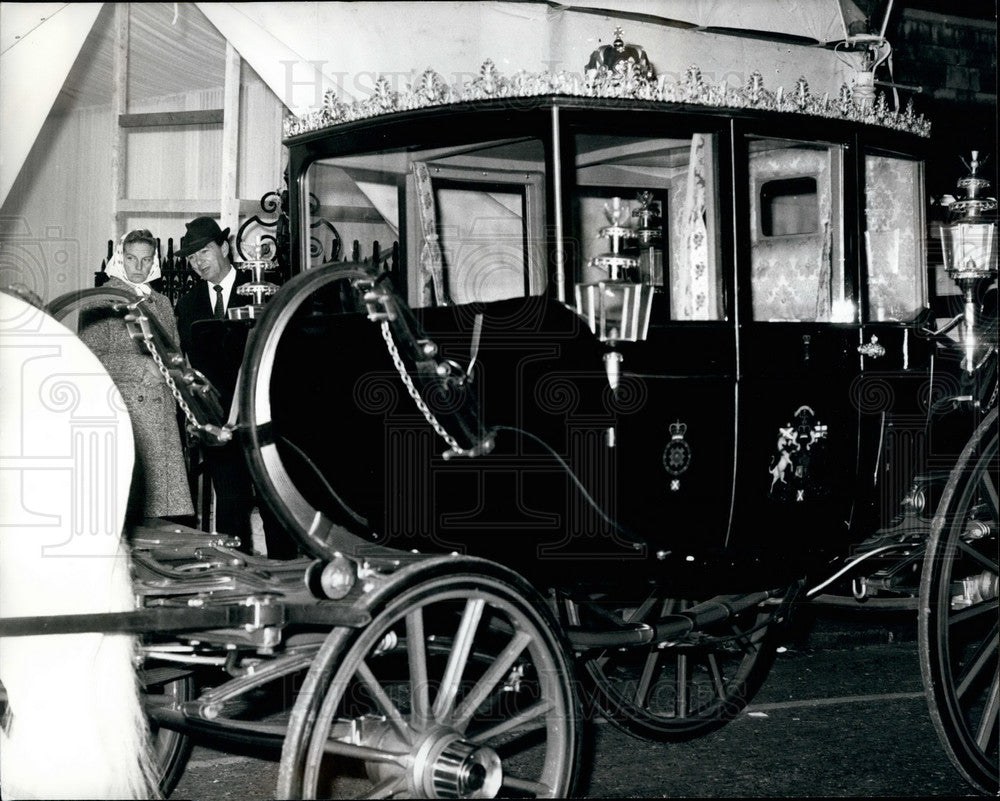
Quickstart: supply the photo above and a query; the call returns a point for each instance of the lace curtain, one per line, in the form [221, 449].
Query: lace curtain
[693, 278]
[791, 273]
[432, 286]
[892, 211]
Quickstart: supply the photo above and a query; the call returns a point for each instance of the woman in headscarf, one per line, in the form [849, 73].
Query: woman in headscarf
[159, 481]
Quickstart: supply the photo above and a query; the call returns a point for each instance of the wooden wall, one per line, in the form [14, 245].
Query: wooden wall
[57, 219]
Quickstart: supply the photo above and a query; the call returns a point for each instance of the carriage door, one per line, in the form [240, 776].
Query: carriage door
[894, 392]
[798, 338]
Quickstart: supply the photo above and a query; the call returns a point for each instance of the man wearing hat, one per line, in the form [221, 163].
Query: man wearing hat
[206, 248]
[217, 351]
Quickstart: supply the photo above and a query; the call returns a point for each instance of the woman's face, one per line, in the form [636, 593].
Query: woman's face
[138, 261]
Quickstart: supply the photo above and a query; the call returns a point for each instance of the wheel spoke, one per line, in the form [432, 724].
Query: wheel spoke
[966, 548]
[417, 657]
[682, 687]
[493, 676]
[973, 612]
[525, 786]
[384, 702]
[458, 658]
[532, 713]
[363, 752]
[716, 673]
[641, 611]
[387, 788]
[990, 488]
[984, 654]
[646, 680]
[989, 722]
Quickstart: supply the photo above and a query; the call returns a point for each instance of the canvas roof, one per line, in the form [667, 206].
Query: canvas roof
[301, 50]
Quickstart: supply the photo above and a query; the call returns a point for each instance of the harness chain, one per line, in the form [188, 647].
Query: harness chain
[171, 385]
[456, 449]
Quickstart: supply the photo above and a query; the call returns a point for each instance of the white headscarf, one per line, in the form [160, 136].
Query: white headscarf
[116, 268]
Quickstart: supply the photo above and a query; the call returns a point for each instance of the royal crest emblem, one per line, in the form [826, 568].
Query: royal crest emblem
[799, 463]
[677, 454]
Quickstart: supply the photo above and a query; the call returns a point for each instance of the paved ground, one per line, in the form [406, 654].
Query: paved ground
[842, 714]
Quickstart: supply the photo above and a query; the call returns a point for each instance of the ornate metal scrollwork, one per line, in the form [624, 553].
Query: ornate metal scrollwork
[325, 244]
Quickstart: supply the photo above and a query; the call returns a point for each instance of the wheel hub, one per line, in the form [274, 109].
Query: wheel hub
[442, 764]
[446, 766]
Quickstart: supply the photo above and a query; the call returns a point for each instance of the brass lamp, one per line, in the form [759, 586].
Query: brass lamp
[969, 242]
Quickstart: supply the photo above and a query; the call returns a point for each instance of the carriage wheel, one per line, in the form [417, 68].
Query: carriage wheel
[171, 749]
[678, 690]
[958, 623]
[460, 687]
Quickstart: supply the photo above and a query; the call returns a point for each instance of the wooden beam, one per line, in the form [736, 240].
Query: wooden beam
[120, 101]
[212, 116]
[208, 207]
[229, 211]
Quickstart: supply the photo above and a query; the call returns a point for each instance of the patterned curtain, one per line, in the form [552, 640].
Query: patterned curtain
[892, 244]
[432, 286]
[693, 277]
[791, 274]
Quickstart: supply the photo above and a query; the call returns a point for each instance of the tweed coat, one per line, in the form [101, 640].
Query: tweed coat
[159, 481]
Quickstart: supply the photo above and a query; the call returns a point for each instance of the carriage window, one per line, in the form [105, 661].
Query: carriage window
[796, 233]
[470, 218]
[646, 211]
[789, 207]
[897, 287]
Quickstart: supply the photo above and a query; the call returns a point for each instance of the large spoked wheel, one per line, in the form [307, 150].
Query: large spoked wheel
[677, 690]
[959, 629]
[459, 688]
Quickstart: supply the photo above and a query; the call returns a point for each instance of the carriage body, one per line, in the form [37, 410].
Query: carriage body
[779, 278]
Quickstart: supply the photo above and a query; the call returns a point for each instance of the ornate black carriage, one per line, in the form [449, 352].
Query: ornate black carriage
[657, 361]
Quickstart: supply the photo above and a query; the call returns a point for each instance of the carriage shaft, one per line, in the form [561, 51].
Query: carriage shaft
[245, 614]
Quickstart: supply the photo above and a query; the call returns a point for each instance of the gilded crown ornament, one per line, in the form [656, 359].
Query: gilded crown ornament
[620, 59]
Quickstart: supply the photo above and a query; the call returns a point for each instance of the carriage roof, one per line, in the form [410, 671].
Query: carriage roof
[432, 91]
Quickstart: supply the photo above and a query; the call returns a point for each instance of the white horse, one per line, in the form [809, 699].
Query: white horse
[74, 726]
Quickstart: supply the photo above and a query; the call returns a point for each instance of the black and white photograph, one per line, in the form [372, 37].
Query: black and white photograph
[499, 399]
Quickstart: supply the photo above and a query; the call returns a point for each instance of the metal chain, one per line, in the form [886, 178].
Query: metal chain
[192, 420]
[456, 449]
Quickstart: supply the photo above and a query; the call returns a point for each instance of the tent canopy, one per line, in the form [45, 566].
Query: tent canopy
[302, 50]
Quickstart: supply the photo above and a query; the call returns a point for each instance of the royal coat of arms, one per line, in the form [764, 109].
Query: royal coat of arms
[798, 466]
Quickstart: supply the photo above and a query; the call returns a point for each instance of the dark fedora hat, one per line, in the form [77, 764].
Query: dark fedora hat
[200, 232]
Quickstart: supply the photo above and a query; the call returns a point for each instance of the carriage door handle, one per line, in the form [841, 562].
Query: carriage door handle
[873, 350]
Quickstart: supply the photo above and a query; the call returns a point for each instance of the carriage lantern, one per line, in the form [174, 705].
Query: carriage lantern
[259, 262]
[616, 309]
[969, 241]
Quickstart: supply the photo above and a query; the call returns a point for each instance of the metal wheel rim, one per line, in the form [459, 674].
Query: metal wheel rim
[961, 677]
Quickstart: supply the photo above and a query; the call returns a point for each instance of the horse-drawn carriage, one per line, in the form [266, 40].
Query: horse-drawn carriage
[658, 362]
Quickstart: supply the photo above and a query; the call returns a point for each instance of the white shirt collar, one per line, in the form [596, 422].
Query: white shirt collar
[227, 287]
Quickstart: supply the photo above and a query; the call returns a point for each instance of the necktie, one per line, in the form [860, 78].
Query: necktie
[220, 310]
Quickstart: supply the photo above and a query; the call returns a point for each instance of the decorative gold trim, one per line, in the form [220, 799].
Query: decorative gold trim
[431, 89]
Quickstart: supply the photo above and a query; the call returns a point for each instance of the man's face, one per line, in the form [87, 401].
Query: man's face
[211, 262]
